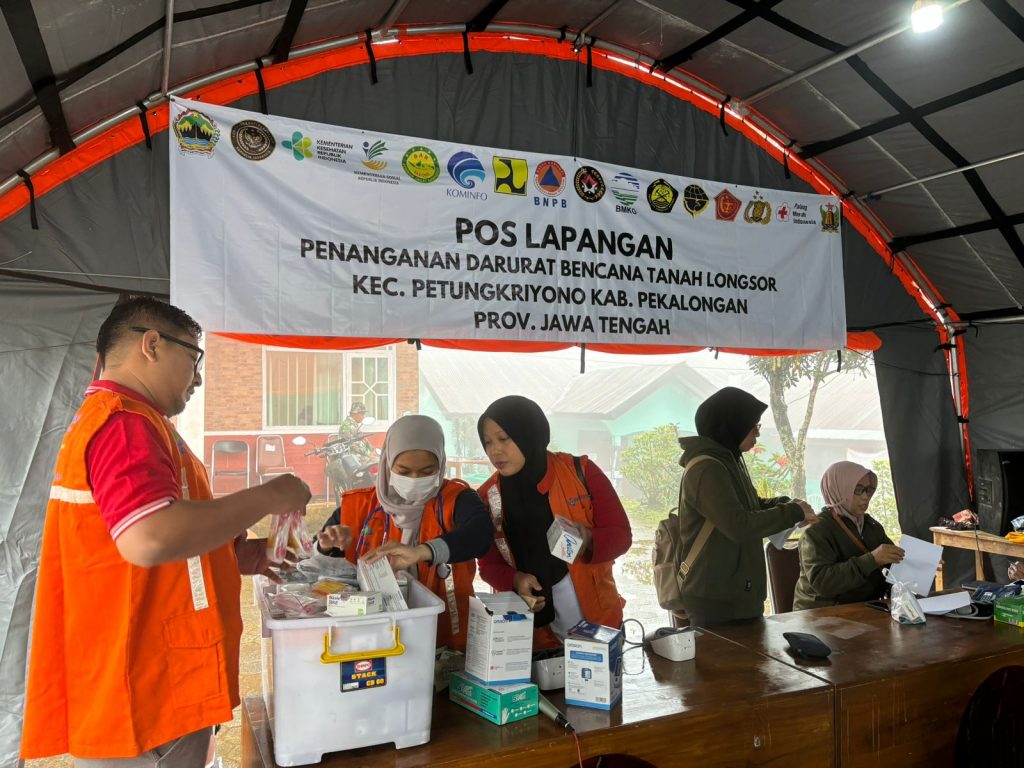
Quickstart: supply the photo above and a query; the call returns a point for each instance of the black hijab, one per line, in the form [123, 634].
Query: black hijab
[527, 511]
[728, 416]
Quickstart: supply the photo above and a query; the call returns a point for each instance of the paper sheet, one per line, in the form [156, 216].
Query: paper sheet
[779, 539]
[918, 567]
[945, 603]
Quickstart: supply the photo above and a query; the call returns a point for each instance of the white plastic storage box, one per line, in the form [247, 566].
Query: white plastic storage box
[345, 682]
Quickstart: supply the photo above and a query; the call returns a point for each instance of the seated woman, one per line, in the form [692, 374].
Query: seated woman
[719, 506]
[841, 560]
[419, 520]
[531, 486]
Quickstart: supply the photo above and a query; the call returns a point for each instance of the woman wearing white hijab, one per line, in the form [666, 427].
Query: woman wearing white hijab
[841, 560]
[421, 521]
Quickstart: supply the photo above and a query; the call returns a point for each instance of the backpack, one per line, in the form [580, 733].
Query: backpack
[670, 565]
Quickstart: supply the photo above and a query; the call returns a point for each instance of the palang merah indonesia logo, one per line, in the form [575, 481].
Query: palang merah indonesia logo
[373, 153]
[196, 133]
[299, 145]
[420, 163]
[252, 140]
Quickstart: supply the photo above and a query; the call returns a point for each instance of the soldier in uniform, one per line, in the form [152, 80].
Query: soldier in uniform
[352, 427]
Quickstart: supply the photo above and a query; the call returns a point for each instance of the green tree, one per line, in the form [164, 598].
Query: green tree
[785, 372]
[651, 463]
[770, 473]
[883, 503]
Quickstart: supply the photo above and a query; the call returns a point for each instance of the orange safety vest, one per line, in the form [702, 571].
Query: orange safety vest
[371, 527]
[569, 498]
[125, 658]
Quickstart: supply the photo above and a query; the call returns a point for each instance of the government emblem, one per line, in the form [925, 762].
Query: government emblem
[727, 205]
[549, 178]
[420, 163]
[758, 210]
[252, 140]
[196, 133]
[510, 175]
[589, 184]
[830, 217]
[661, 196]
[695, 199]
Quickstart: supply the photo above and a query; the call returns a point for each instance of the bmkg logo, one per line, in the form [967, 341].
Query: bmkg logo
[196, 133]
[466, 169]
[372, 152]
[299, 145]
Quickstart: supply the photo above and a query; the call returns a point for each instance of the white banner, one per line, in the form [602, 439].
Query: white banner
[283, 226]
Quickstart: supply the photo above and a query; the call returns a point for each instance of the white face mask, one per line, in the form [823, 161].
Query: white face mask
[414, 489]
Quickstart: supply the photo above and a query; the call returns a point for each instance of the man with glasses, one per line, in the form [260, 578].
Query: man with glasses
[137, 621]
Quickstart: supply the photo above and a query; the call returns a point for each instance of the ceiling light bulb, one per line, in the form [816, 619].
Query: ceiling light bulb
[926, 15]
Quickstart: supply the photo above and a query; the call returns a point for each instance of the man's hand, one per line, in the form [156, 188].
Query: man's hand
[809, 517]
[292, 491]
[1016, 571]
[253, 560]
[887, 554]
[334, 537]
[401, 556]
[524, 584]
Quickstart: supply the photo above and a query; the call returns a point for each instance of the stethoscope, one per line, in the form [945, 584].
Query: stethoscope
[442, 570]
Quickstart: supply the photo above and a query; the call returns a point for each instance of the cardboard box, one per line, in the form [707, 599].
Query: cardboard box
[354, 603]
[1009, 610]
[498, 703]
[379, 577]
[499, 640]
[564, 539]
[593, 666]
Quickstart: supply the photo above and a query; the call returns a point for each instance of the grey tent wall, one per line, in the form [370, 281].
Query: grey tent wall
[112, 223]
[47, 355]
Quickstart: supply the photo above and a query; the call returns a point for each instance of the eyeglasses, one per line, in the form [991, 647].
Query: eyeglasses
[862, 490]
[197, 364]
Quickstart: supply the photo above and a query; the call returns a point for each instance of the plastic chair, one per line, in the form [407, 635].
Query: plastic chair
[783, 573]
[270, 459]
[227, 449]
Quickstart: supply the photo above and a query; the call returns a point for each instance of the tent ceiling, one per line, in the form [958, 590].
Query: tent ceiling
[904, 109]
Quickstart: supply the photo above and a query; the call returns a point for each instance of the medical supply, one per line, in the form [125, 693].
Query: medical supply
[593, 666]
[338, 683]
[330, 586]
[1009, 610]
[288, 531]
[498, 703]
[354, 603]
[564, 539]
[378, 577]
[499, 641]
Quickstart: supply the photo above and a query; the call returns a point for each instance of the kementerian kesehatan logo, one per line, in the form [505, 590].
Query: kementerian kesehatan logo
[299, 145]
[421, 164]
[466, 169]
[197, 133]
[589, 184]
[372, 153]
[510, 175]
[830, 217]
[252, 140]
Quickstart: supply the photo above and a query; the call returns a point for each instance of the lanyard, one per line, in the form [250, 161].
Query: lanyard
[387, 524]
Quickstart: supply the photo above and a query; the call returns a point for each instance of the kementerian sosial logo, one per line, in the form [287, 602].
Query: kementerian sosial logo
[197, 133]
[372, 152]
[299, 145]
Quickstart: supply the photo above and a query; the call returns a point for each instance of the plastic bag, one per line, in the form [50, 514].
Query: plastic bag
[903, 605]
[288, 531]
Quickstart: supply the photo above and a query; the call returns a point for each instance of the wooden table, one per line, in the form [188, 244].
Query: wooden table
[729, 707]
[899, 690]
[981, 543]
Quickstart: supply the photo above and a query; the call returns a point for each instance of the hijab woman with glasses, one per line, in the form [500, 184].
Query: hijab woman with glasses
[841, 560]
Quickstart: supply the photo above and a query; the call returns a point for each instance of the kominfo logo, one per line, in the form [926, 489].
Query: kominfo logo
[466, 169]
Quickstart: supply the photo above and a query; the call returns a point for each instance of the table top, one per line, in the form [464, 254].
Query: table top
[868, 645]
[723, 678]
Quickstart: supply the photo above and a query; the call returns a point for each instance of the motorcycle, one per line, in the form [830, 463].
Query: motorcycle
[344, 469]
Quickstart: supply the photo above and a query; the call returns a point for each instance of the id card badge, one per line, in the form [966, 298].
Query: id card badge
[195, 564]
